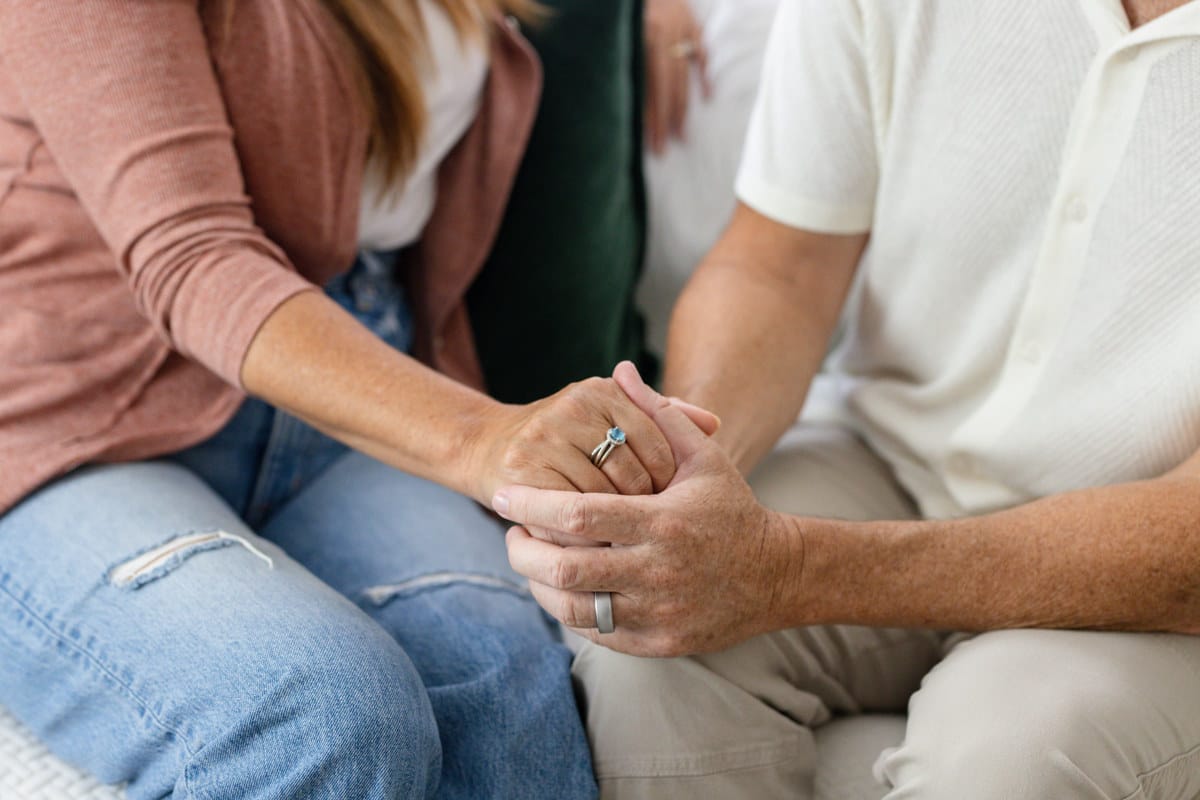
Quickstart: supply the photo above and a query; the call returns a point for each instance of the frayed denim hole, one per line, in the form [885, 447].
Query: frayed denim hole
[173, 554]
[382, 595]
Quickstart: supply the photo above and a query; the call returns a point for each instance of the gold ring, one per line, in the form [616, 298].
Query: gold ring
[685, 48]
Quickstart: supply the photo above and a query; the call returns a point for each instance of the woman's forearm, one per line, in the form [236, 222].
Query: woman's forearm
[313, 360]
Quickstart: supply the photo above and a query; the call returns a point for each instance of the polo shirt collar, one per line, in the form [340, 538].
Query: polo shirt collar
[1111, 23]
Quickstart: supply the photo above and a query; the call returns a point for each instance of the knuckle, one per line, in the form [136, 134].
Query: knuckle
[564, 574]
[576, 516]
[572, 615]
[514, 460]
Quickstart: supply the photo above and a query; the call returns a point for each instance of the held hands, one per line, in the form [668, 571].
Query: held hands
[696, 568]
[548, 444]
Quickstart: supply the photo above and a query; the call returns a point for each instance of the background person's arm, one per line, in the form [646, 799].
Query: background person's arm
[752, 327]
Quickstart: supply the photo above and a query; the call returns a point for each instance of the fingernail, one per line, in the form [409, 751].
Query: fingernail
[500, 502]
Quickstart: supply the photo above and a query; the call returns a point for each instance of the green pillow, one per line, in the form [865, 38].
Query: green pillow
[554, 302]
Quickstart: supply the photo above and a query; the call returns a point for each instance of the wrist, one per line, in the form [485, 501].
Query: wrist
[475, 456]
[785, 560]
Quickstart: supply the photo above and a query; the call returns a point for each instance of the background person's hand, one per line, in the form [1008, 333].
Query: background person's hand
[548, 444]
[697, 568]
[674, 46]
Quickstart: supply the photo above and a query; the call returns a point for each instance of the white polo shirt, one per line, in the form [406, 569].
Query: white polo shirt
[1026, 318]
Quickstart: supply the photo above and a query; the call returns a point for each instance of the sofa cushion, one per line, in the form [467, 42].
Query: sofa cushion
[554, 302]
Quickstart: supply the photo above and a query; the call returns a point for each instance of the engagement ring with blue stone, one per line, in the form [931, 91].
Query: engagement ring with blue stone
[614, 439]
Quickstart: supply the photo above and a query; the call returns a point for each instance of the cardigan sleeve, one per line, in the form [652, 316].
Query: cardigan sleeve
[125, 99]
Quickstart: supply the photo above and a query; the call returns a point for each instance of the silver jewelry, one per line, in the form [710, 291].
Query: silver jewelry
[614, 439]
[604, 617]
[684, 49]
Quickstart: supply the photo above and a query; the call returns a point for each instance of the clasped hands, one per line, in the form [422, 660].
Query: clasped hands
[693, 562]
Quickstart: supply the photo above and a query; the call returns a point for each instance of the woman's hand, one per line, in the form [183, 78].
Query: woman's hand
[696, 568]
[548, 444]
[674, 44]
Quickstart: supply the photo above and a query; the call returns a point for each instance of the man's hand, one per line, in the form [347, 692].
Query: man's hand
[697, 568]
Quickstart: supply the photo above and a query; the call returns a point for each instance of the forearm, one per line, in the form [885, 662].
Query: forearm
[1124, 557]
[751, 329]
[315, 361]
[752, 370]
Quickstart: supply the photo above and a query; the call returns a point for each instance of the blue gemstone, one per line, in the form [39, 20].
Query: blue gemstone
[616, 435]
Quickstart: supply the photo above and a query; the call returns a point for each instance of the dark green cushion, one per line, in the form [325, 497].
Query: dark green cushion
[554, 303]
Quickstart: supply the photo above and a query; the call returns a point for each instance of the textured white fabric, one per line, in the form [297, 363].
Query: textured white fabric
[689, 187]
[453, 83]
[1026, 319]
[28, 771]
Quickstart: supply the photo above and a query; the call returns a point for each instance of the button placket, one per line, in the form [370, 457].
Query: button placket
[1103, 121]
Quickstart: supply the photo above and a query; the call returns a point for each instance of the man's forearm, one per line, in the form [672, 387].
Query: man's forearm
[752, 327]
[1123, 557]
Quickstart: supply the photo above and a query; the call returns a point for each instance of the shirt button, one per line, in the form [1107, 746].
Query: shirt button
[1076, 209]
[512, 22]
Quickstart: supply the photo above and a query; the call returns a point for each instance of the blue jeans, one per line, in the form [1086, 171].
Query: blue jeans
[271, 615]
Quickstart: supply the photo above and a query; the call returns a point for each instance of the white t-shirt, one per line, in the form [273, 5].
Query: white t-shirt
[1026, 318]
[453, 83]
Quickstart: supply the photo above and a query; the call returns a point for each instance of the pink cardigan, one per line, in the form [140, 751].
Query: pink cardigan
[161, 195]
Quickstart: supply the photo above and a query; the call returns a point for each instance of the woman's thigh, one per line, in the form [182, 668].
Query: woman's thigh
[149, 636]
[430, 566]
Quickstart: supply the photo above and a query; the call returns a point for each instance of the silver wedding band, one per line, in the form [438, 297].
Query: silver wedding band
[604, 615]
[612, 440]
[684, 49]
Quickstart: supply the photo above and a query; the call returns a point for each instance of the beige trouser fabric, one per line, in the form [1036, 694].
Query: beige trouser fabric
[1005, 715]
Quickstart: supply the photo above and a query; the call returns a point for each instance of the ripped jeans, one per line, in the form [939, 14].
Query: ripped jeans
[271, 615]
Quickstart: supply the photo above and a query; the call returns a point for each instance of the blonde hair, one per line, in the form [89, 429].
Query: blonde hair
[386, 48]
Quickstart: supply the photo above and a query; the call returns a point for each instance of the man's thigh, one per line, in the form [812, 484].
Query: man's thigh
[143, 624]
[738, 722]
[1062, 714]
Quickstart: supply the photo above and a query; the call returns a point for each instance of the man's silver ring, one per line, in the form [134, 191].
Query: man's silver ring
[683, 49]
[604, 617]
[614, 439]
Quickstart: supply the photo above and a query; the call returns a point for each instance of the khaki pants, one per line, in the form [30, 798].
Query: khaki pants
[1000, 716]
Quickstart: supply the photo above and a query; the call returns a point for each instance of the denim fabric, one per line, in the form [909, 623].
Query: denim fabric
[271, 615]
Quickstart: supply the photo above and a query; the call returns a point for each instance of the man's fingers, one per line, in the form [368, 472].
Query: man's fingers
[705, 420]
[578, 609]
[600, 517]
[685, 438]
[570, 569]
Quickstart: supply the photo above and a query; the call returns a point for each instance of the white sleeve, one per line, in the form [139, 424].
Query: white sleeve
[810, 159]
